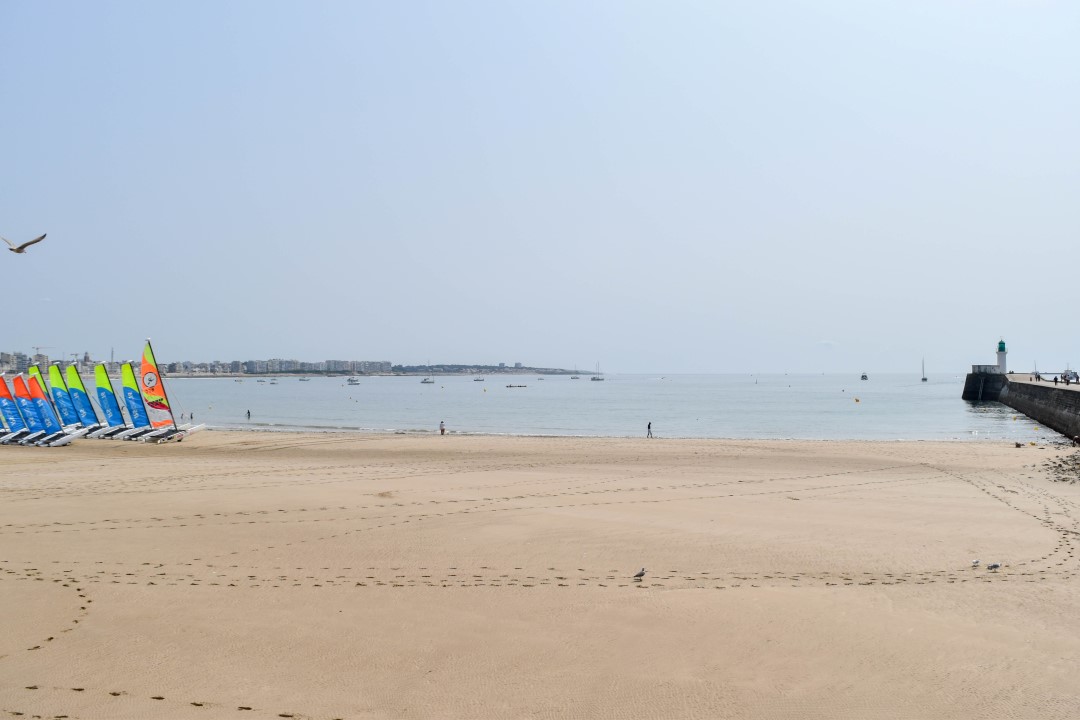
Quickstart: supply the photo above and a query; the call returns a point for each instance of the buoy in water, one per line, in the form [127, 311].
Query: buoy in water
[856, 399]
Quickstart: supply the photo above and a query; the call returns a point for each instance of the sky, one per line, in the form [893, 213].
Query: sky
[655, 187]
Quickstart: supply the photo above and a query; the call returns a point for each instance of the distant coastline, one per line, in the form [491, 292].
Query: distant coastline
[407, 371]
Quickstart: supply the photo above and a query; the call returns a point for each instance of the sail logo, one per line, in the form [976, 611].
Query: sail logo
[150, 380]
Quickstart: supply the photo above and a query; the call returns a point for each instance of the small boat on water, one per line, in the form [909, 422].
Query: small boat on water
[352, 381]
[516, 386]
[599, 376]
[924, 370]
[305, 379]
[864, 377]
[478, 379]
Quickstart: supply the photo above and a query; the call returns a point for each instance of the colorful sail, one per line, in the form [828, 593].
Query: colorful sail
[153, 391]
[45, 409]
[132, 398]
[79, 398]
[26, 404]
[11, 411]
[61, 397]
[35, 372]
[107, 398]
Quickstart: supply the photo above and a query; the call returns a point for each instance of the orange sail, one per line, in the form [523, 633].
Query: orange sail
[153, 391]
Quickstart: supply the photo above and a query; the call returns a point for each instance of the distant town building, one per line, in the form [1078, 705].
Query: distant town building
[16, 362]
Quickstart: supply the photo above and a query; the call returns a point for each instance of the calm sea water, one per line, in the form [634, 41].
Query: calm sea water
[826, 407]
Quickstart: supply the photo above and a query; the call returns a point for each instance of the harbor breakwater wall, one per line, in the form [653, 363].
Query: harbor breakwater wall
[984, 387]
[1055, 407]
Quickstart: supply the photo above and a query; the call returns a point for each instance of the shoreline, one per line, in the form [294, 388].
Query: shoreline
[1055, 442]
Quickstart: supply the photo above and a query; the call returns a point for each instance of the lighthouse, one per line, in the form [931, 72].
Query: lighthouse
[986, 382]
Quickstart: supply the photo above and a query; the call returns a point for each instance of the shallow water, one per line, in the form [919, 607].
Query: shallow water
[825, 407]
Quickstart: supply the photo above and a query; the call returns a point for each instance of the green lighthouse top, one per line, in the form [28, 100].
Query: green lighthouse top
[1001, 346]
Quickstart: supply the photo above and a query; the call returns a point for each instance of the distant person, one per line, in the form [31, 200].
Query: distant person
[442, 428]
[249, 414]
[649, 433]
[1055, 379]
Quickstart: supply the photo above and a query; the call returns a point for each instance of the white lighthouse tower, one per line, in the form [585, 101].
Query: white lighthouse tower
[1001, 353]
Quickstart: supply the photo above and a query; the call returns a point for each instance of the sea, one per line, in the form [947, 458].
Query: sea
[758, 406]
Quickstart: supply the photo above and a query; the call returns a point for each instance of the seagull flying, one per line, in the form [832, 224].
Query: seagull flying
[22, 248]
[640, 574]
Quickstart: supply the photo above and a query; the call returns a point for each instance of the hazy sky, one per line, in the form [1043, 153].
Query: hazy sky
[654, 186]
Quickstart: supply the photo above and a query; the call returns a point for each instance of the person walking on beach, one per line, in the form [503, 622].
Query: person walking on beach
[649, 434]
[442, 428]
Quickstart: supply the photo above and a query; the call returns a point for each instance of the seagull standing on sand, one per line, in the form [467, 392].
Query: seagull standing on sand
[22, 248]
[640, 574]
[974, 563]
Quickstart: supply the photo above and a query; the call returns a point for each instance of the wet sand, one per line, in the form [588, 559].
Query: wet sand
[265, 575]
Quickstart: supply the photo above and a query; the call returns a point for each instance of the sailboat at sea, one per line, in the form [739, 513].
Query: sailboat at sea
[430, 379]
[924, 370]
[599, 376]
[575, 376]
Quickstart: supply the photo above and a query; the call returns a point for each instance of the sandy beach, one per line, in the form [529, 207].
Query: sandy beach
[267, 575]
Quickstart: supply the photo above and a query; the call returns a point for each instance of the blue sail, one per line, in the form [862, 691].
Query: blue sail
[61, 397]
[26, 405]
[10, 410]
[44, 407]
[132, 399]
[107, 398]
[79, 398]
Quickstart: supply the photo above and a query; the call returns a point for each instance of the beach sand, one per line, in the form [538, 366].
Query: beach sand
[266, 575]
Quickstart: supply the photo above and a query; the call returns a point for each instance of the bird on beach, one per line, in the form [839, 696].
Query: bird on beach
[993, 566]
[22, 248]
[639, 574]
[974, 563]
